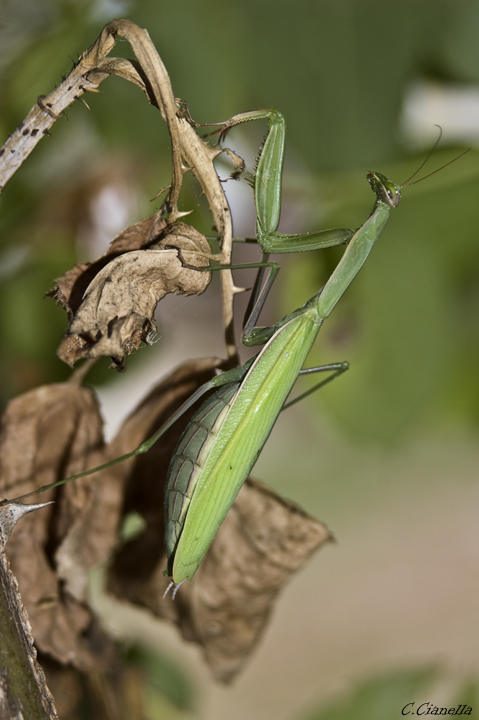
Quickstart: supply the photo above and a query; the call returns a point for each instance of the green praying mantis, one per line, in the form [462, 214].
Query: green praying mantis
[226, 435]
[224, 438]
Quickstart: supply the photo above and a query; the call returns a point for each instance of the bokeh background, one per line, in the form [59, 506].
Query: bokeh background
[387, 456]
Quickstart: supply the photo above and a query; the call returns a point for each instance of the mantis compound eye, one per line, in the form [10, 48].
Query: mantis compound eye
[385, 190]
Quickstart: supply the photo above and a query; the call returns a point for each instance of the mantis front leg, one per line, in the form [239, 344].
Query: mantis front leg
[267, 182]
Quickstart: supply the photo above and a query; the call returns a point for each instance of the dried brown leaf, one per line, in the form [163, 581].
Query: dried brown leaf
[116, 313]
[45, 435]
[262, 541]
[68, 290]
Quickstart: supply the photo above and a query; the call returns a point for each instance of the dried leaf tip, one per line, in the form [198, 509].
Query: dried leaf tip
[10, 514]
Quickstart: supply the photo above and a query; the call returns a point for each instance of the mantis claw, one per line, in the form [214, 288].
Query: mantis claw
[176, 588]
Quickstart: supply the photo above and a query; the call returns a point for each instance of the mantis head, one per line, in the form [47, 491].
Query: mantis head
[390, 193]
[385, 190]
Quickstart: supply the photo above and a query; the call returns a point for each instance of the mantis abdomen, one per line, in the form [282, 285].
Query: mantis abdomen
[189, 456]
[223, 440]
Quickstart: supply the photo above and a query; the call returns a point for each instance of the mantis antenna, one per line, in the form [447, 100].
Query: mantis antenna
[406, 183]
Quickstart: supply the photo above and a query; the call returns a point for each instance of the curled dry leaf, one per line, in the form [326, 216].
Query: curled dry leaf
[116, 312]
[262, 541]
[48, 434]
[68, 290]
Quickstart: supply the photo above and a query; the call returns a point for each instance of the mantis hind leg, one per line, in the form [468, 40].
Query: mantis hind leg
[336, 369]
[259, 294]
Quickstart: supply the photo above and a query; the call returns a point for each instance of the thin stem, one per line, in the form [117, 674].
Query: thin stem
[143, 448]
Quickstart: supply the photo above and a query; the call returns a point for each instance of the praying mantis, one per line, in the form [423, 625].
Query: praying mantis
[226, 435]
[224, 438]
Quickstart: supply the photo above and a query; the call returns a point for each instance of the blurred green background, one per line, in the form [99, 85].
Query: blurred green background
[387, 456]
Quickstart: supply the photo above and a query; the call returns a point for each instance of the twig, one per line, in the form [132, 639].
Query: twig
[23, 689]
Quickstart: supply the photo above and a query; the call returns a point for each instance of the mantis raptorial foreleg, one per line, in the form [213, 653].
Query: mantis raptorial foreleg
[267, 183]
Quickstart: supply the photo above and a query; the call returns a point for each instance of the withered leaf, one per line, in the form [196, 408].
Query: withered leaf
[68, 290]
[116, 312]
[262, 541]
[45, 435]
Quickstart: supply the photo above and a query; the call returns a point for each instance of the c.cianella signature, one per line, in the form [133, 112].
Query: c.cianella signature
[431, 709]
